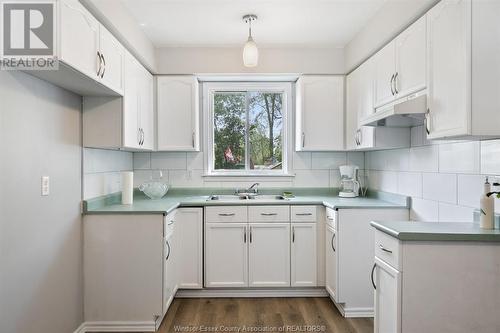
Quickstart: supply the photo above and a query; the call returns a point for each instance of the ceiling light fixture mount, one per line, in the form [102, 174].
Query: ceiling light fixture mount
[250, 50]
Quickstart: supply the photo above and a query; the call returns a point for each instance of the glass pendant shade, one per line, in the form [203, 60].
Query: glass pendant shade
[250, 53]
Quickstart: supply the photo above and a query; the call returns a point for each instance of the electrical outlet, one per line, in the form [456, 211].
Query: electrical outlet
[45, 185]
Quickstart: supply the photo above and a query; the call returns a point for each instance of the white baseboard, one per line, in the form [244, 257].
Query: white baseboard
[118, 326]
[354, 312]
[251, 292]
[80, 329]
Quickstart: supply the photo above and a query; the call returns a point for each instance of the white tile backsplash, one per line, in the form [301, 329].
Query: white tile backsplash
[410, 184]
[470, 188]
[311, 178]
[301, 160]
[460, 157]
[327, 160]
[169, 161]
[454, 213]
[440, 187]
[142, 161]
[490, 157]
[424, 159]
[424, 210]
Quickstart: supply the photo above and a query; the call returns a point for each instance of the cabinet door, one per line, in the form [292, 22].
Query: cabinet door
[169, 273]
[303, 255]
[411, 59]
[79, 38]
[226, 255]
[387, 282]
[113, 55]
[190, 231]
[384, 71]
[320, 113]
[146, 110]
[269, 255]
[131, 100]
[448, 69]
[353, 82]
[178, 113]
[331, 262]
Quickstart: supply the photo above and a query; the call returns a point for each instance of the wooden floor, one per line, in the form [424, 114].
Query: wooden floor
[273, 314]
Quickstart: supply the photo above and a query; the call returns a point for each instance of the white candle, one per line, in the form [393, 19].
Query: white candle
[127, 187]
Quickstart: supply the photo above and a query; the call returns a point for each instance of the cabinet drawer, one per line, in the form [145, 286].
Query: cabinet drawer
[226, 214]
[303, 213]
[331, 217]
[388, 249]
[269, 213]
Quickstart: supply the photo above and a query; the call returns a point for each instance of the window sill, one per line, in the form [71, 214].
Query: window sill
[249, 176]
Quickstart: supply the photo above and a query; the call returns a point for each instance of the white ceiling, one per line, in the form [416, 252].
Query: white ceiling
[281, 22]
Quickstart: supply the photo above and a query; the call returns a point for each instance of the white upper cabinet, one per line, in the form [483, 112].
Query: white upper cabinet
[449, 69]
[79, 38]
[359, 105]
[400, 65]
[320, 113]
[178, 113]
[385, 70]
[411, 55]
[112, 54]
[146, 109]
[463, 70]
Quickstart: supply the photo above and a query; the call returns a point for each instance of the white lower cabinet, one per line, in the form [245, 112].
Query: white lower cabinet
[387, 281]
[269, 255]
[331, 269]
[171, 255]
[349, 246]
[303, 255]
[226, 255]
[190, 245]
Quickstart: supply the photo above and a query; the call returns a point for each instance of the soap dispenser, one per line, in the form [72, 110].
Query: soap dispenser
[487, 204]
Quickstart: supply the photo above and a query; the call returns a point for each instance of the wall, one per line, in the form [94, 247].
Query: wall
[40, 237]
[307, 60]
[392, 18]
[101, 171]
[317, 169]
[444, 179]
[117, 19]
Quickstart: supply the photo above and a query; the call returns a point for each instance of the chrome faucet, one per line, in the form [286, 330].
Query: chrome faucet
[252, 189]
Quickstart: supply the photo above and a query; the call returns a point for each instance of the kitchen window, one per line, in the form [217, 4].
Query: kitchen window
[247, 128]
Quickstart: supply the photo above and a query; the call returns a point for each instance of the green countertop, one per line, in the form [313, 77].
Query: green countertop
[198, 198]
[437, 231]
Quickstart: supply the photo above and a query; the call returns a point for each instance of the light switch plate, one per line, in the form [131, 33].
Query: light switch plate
[45, 185]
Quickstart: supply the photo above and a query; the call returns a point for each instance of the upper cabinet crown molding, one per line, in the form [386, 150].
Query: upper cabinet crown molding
[178, 113]
[319, 113]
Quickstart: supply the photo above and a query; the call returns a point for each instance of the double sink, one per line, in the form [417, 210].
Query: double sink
[246, 196]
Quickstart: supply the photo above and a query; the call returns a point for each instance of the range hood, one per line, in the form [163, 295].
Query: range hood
[407, 111]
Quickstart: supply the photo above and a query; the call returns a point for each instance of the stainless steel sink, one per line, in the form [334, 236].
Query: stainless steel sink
[239, 197]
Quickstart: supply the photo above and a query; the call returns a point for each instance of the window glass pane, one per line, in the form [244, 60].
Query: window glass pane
[265, 130]
[229, 130]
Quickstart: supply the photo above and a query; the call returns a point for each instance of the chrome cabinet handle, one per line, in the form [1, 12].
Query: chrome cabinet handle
[392, 80]
[268, 214]
[192, 138]
[396, 83]
[251, 235]
[245, 235]
[226, 214]
[360, 136]
[356, 137]
[373, 281]
[139, 136]
[100, 63]
[303, 139]
[142, 130]
[303, 214]
[330, 218]
[333, 247]
[384, 249]
[104, 68]
[428, 121]
[293, 234]
[169, 250]
[171, 222]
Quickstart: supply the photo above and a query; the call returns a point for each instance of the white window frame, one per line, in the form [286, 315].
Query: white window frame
[208, 147]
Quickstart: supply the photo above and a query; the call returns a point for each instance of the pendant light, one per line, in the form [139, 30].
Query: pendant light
[250, 51]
